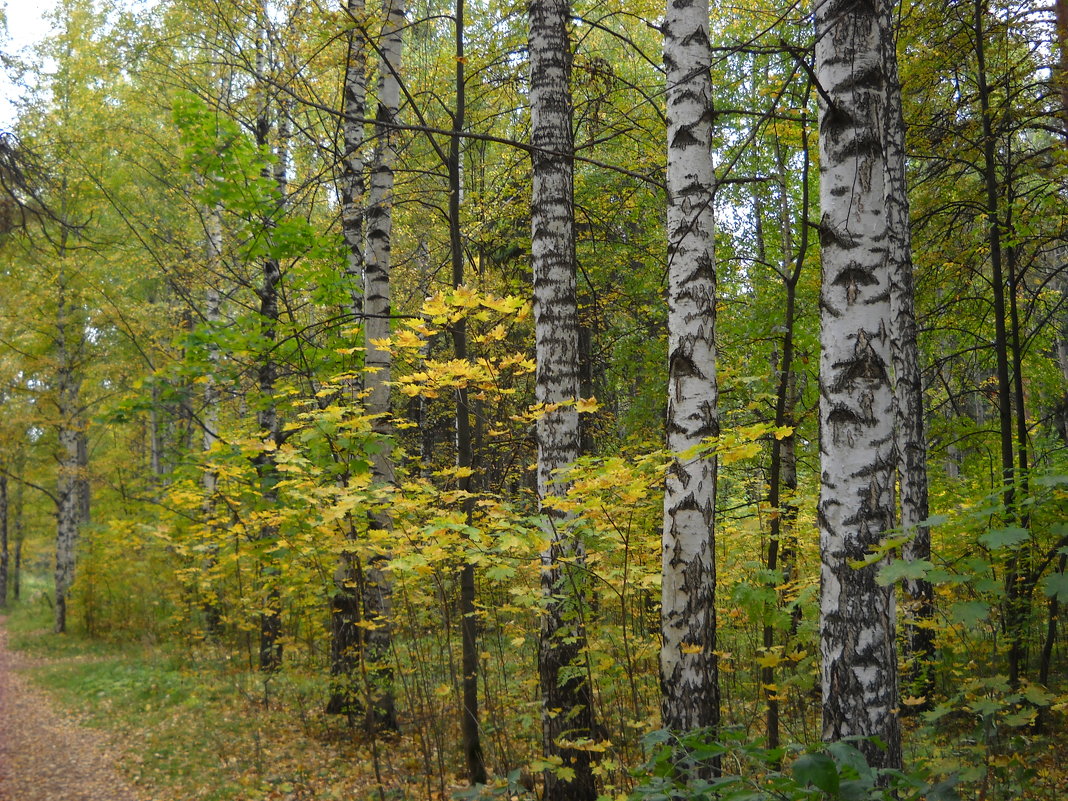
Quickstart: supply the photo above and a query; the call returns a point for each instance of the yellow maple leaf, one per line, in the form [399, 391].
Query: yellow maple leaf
[585, 405]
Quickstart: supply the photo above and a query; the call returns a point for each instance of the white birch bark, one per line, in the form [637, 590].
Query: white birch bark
[911, 445]
[377, 589]
[688, 666]
[209, 419]
[567, 713]
[345, 611]
[212, 316]
[352, 159]
[270, 656]
[856, 504]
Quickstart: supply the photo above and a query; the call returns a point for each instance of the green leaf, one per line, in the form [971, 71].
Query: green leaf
[818, 770]
[1057, 586]
[970, 613]
[1010, 537]
[900, 569]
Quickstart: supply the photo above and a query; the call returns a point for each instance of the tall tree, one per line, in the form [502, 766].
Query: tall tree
[689, 672]
[377, 589]
[567, 701]
[267, 418]
[911, 443]
[345, 634]
[69, 340]
[856, 506]
[465, 460]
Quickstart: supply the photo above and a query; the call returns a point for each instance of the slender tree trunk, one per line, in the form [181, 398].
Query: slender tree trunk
[378, 592]
[352, 159]
[345, 607]
[16, 518]
[567, 699]
[1014, 633]
[465, 460]
[270, 651]
[689, 672]
[783, 469]
[1046, 658]
[68, 387]
[209, 418]
[856, 506]
[908, 387]
[3, 541]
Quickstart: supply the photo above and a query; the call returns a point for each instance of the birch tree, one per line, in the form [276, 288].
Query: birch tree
[267, 417]
[688, 666]
[377, 591]
[856, 506]
[567, 711]
[911, 446]
[345, 603]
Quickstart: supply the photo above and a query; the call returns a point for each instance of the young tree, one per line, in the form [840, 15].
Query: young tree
[856, 504]
[4, 508]
[689, 676]
[567, 702]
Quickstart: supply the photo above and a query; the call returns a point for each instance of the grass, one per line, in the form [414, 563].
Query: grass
[196, 729]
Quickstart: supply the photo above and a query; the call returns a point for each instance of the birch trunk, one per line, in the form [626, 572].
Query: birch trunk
[210, 417]
[689, 673]
[567, 710]
[352, 159]
[270, 656]
[908, 384]
[856, 504]
[377, 592]
[345, 611]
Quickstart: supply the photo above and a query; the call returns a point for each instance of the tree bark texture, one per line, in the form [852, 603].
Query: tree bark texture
[377, 595]
[345, 607]
[270, 654]
[856, 506]
[567, 702]
[352, 181]
[689, 672]
[908, 382]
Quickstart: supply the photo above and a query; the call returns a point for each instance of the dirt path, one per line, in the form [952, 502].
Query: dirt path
[45, 755]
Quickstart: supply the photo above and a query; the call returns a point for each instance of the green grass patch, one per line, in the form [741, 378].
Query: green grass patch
[193, 725]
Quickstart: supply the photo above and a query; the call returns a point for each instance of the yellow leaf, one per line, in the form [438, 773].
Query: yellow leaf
[584, 405]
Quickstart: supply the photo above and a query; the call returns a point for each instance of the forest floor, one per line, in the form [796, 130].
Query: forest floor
[46, 754]
[85, 719]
